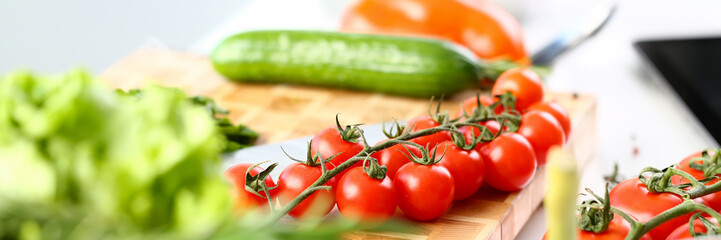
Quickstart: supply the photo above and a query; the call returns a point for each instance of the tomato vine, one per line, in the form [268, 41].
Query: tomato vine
[596, 214]
[509, 120]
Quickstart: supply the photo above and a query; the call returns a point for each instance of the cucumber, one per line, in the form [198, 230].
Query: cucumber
[393, 65]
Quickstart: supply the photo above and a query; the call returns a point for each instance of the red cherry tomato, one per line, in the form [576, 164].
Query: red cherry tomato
[632, 197]
[466, 167]
[468, 106]
[469, 131]
[712, 200]
[509, 161]
[424, 192]
[683, 233]
[424, 122]
[617, 229]
[483, 26]
[364, 198]
[295, 179]
[243, 198]
[557, 111]
[542, 131]
[329, 142]
[493, 126]
[471, 104]
[521, 82]
[395, 157]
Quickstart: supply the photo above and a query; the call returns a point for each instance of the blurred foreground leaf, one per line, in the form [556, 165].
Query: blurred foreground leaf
[236, 136]
[78, 161]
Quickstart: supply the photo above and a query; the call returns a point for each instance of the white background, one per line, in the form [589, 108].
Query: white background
[635, 111]
[53, 35]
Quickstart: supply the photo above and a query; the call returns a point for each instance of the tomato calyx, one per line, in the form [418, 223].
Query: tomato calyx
[480, 111]
[510, 118]
[351, 133]
[614, 178]
[396, 130]
[507, 100]
[256, 184]
[373, 169]
[711, 227]
[658, 181]
[427, 157]
[710, 165]
[459, 139]
[437, 116]
[312, 160]
[595, 214]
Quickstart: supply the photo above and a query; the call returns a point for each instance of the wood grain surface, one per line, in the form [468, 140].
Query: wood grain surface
[282, 112]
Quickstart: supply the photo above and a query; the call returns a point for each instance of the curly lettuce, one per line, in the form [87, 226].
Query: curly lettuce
[79, 161]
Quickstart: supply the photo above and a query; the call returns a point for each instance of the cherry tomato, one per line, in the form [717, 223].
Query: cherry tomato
[295, 179]
[424, 122]
[617, 229]
[542, 131]
[471, 104]
[395, 157]
[364, 198]
[632, 197]
[493, 126]
[243, 198]
[557, 111]
[683, 233]
[509, 161]
[468, 106]
[483, 26]
[712, 200]
[329, 142]
[521, 82]
[466, 167]
[424, 192]
[469, 131]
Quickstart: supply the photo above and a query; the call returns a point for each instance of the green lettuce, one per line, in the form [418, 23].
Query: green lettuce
[79, 161]
[237, 136]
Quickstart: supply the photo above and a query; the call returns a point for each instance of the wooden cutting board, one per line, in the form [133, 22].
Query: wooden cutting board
[282, 112]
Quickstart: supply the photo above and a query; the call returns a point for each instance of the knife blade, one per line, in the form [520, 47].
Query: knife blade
[574, 36]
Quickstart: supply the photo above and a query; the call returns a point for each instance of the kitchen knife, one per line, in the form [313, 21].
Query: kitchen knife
[574, 36]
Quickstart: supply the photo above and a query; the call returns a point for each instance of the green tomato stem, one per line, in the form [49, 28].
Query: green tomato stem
[639, 229]
[703, 190]
[659, 181]
[267, 196]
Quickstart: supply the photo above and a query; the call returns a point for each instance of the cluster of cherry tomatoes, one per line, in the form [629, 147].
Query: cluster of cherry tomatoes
[633, 198]
[423, 190]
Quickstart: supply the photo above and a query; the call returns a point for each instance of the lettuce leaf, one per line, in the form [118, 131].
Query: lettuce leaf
[83, 162]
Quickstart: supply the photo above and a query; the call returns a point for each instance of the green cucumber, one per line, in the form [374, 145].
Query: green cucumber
[393, 65]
